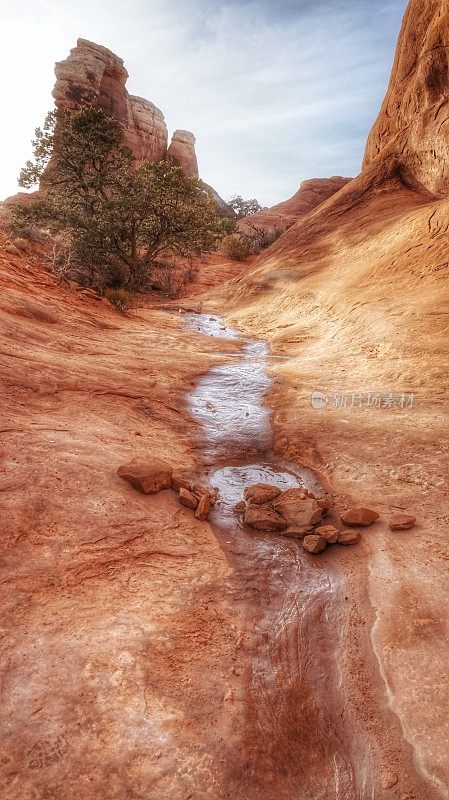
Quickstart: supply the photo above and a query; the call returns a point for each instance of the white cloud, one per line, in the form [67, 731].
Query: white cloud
[275, 92]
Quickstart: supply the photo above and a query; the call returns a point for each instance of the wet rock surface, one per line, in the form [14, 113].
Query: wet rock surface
[264, 518]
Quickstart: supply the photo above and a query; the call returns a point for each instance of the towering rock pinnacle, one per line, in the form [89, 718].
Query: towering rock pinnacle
[93, 74]
[182, 152]
[411, 132]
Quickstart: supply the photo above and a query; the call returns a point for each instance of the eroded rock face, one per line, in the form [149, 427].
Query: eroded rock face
[310, 194]
[93, 74]
[182, 152]
[412, 129]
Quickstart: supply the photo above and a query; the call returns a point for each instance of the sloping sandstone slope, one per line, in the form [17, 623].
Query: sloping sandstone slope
[118, 640]
[309, 195]
[357, 296]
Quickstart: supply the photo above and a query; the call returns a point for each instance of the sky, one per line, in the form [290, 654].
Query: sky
[275, 91]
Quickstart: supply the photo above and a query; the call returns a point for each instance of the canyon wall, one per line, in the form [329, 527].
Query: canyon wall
[412, 129]
[354, 297]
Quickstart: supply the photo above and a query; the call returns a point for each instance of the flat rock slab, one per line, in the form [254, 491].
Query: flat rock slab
[359, 516]
[401, 522]
[147, 475]
[188, 499]
[203, 508]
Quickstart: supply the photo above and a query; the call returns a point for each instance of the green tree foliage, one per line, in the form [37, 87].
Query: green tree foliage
[243, 208]
[120, 220]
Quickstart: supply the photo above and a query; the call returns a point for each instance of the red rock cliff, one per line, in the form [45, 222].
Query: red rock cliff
[93, 74]
[412, 129]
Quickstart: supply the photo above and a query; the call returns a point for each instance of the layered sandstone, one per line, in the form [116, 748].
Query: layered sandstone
[412, 129]
[92, 74]
[354, 297]
[310, 194]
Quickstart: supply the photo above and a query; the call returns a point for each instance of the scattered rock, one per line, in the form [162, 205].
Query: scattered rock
[260, 493]
[389, 779]
[325, 503]
[187, 498]
[147, 475]
[348, 537]
[264, 518]
[328, 532]
[203, 508]
[359, 517]
[199, 490]
[181, 479]
[297, 509]
[314, 543]
[401, 522]
[240, 507]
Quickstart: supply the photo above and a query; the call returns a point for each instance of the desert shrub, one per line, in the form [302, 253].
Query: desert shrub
[191, 270]
[121, 299]
[120, 220]
[244, 208]
[259, 238]
[236, 246]
[22, 244]
[168, 278]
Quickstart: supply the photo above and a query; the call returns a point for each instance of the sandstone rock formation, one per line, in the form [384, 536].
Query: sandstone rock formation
[314, 544]
[401, 522]
[182, 152]
[310, 194]
[348, 538]
[264, 518]
[411, 133]
[260, 493]
[93, 74]
[354, 295]
[328, 532]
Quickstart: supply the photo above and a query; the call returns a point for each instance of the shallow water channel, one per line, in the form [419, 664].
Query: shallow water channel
[293, 743]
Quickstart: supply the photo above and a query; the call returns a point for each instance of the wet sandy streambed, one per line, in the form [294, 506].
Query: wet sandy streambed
[293, 744]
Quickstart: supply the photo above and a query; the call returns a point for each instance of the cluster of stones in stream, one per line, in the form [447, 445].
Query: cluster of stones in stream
[150, 476]
[296, 513]
[299, 514]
